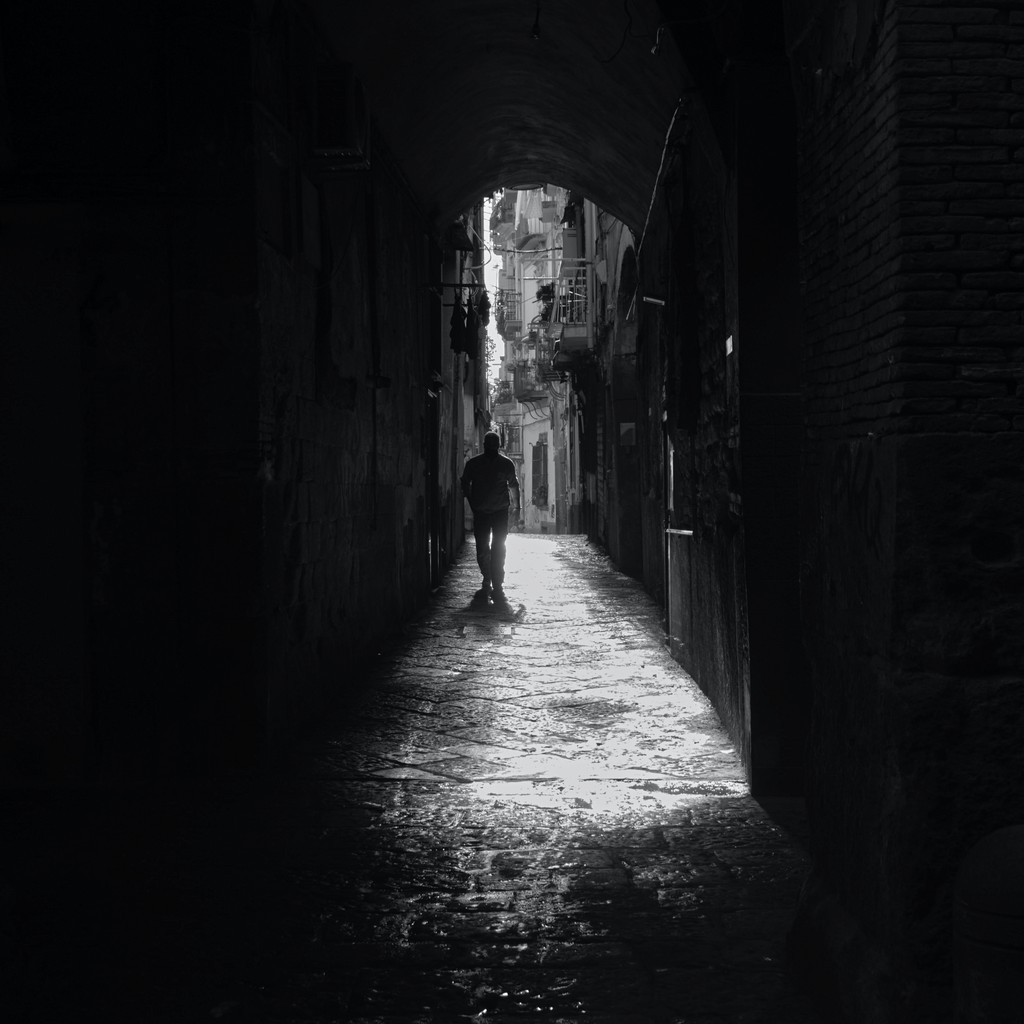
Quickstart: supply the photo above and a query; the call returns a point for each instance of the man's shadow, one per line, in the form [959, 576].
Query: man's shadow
[483, 603]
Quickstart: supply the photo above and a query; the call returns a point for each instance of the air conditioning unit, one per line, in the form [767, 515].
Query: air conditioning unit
[341, 122]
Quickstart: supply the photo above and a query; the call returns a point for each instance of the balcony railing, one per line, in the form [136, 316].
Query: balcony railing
[509, 313]
[536, 360]
[504, 210]
[574, 306]
[530, 382]
[512, 437]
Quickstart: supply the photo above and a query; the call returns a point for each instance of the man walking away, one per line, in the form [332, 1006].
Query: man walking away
[487, 482]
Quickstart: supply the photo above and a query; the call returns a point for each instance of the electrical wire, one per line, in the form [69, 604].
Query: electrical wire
[480, 239]
[657, 178]
[625, 34]
[654, 196]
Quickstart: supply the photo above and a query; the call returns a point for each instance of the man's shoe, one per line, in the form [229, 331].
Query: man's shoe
[498, 594]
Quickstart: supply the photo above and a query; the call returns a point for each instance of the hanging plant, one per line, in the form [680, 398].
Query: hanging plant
[483, 308]
[546, 298]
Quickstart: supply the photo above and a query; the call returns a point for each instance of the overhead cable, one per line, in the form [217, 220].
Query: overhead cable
[654, 196]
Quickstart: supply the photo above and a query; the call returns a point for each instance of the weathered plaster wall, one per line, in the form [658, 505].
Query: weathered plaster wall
[650, 439]
[616, 294]
[345, 363]
[719, 658]
[688, 260]
[345, 490]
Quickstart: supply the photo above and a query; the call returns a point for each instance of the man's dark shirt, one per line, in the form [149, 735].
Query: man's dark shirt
[486, 481]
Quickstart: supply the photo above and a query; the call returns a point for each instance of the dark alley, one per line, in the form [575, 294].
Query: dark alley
[530, 813]
[718, 306]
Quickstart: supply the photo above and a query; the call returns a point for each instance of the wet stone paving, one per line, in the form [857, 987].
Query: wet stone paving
[531, 813]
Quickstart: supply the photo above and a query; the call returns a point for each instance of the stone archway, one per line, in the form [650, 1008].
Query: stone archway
[497, 98]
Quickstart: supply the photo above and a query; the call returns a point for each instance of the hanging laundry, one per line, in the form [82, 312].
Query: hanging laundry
[457, 331]
[472, 347]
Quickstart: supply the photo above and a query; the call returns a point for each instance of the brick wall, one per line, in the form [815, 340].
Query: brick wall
[849, 254]
[961, 194]
[849, 245]
[911, 180]
[957, 649]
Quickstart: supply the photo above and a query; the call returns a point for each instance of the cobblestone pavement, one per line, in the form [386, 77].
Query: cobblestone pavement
[530, 814]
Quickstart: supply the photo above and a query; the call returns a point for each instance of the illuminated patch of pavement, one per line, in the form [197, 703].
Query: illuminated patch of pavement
[562, 831]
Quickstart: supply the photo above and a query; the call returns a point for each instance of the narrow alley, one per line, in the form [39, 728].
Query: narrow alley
[739, 287]
[532, 814]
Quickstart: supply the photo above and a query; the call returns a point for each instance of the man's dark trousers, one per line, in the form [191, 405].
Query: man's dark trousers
[490, 530]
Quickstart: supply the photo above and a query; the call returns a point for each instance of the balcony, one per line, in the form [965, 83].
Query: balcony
[508, 315]
[574, 305]
[535, 367]
[529, 382]
[503, 392]
[503, 217]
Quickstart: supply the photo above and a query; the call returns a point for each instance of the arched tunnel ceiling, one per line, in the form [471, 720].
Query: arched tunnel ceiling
[469, 101]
